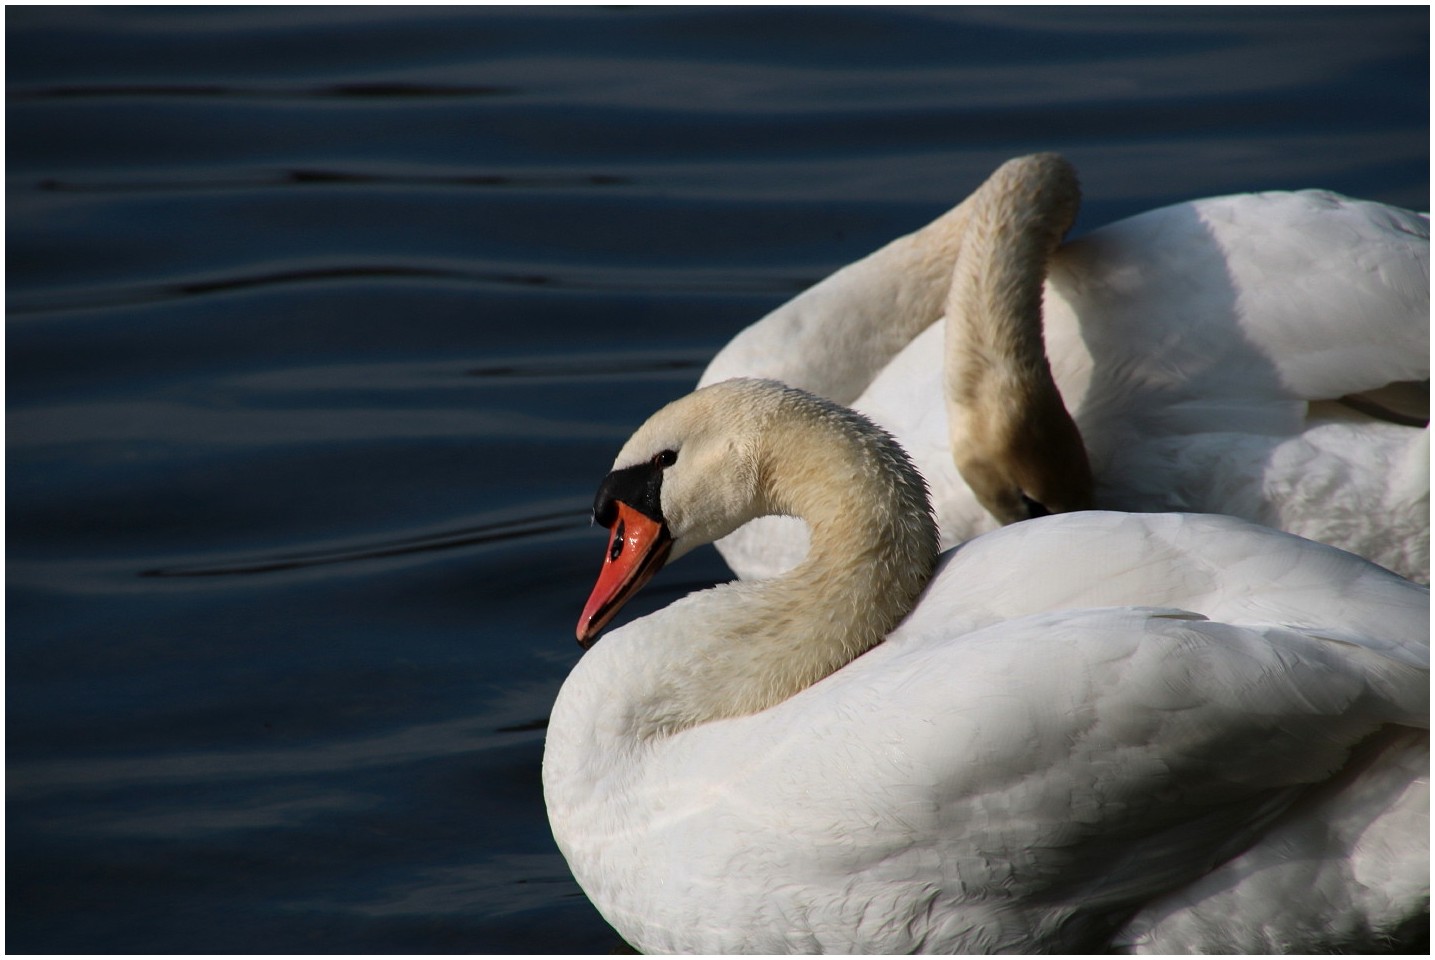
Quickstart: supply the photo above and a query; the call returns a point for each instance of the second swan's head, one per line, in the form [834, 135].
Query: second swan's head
[709, 462]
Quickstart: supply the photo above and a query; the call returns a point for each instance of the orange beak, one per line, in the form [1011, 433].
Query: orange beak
[637, 548]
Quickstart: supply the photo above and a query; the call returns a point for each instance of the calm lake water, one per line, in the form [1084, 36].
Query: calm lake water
[324, 324]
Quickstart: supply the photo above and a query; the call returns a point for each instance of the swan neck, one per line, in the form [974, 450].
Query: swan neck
[1015, 222]
[873, 549]
[1011, 436]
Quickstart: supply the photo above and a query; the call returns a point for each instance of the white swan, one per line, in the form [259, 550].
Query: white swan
[1150, 732]
[1203, 349]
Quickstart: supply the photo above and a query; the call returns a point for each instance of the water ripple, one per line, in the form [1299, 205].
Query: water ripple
[173, 181]
[510, 529]
[370, 90]
[626, 364]
[698, 280]
[401, 746]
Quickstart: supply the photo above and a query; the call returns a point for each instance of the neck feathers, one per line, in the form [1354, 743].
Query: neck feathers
[1015, 222]
[1011, 435]
[874, 546]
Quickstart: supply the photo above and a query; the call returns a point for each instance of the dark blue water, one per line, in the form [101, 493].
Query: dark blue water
[324, 324]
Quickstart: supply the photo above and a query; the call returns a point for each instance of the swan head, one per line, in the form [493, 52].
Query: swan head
[1023, 460]
[688, 476]
[709, 462]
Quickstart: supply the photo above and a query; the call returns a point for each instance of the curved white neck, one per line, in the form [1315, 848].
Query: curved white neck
[743, 647]
[873, 547]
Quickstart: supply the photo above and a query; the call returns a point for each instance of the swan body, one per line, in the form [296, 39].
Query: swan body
[1089, 732]
[1215, 356]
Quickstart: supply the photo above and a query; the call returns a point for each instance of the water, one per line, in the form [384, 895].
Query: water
[324, 323]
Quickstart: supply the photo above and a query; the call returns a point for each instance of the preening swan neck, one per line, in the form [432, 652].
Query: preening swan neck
[1012, 438]
[747, 448]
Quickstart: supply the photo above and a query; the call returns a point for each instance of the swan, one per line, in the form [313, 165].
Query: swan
[1263, 355]
[1155, 733]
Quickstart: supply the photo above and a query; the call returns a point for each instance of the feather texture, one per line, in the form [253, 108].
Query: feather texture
[1221, 356]
[1093, 731]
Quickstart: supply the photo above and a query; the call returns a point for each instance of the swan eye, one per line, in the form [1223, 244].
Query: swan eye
[665, 459]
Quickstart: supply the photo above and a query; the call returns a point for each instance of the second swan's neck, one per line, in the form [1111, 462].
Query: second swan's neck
[1015, 221]
[1010, 431]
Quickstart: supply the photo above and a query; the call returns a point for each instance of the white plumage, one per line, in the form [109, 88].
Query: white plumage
[1095, 731]
[1203, 350]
